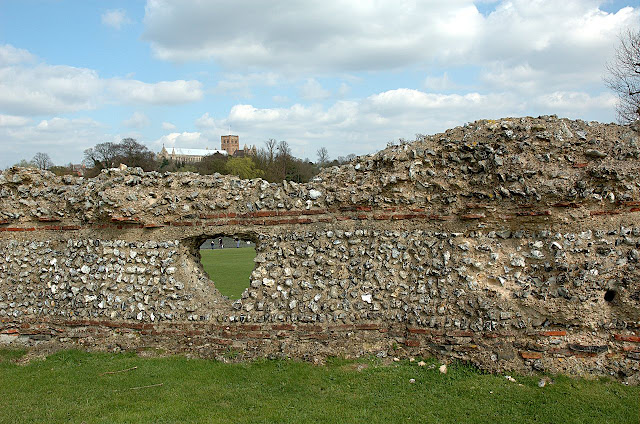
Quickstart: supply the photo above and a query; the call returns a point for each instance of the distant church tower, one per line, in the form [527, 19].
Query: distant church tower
[230, 143]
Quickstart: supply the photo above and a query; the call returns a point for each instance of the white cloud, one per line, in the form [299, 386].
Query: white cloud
[193, 140]
[10, 55]
[168, 126]
[48, 89]
[205, 121]
[394, 101]
[520, 77]
[248, 113]
[328, 35]
[568, 38]
[338, 35]
[312, 90]
[36, 89]
[163, 92]
[13, 121]
[58, 125]
[137, 120]
[240, 84]
[522, 45]
[573, 104]
[115, 18]
[343, 90]
[439, 83]
[62, 138]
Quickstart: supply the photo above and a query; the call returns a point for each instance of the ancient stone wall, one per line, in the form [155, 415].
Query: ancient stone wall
[513, 244]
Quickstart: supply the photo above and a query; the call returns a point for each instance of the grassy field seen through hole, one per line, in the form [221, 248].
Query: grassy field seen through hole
[72, 386]
[229, 268]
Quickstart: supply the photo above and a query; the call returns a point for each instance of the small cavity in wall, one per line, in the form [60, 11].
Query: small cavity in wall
[228, 261]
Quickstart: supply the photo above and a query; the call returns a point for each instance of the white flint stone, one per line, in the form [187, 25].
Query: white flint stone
[555, 245]
[268, 282]
[517, 261]
[314, 194]
[537, 254]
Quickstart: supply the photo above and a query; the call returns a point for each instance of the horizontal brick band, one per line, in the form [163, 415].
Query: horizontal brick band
[269, 218]
[627, 338]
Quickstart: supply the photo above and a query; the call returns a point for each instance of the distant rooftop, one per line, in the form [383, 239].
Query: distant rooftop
[195, 152]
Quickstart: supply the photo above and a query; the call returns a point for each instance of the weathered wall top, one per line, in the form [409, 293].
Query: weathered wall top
[511, 243]
[514, 160]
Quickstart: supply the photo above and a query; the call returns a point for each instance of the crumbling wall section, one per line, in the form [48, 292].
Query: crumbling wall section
[513, 244]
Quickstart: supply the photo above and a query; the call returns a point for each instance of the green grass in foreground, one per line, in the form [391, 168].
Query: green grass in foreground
[71, 386]
[229, 269]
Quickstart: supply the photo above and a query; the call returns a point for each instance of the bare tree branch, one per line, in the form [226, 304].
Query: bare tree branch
[624, 77]
[42, 161]
[323, 156]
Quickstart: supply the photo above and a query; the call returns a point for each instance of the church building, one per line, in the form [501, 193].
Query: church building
[229, 146]
[230, 143]
[177, 154]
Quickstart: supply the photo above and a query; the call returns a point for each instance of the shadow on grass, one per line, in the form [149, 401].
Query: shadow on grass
[8, 355]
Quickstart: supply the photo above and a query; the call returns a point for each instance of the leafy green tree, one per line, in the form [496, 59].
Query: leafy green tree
[243, 167]
[62, 170]
[25, 164]
[211, 164]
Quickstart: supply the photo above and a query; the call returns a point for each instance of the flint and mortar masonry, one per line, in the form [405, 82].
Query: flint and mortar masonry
[514, 244]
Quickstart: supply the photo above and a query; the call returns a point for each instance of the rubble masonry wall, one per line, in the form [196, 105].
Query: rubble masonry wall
[513, 244]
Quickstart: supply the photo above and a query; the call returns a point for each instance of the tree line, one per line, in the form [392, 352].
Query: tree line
[274, 162]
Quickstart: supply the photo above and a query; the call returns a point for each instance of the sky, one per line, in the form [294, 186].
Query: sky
[347, 75]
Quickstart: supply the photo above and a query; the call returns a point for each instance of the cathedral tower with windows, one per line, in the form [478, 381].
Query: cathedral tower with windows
[230, 143]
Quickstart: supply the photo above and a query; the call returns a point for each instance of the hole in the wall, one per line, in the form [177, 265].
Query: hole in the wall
[610, 295]
[228, 261]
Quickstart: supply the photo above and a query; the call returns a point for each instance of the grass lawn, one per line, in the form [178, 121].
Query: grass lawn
[72, 386]
[229, 269]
